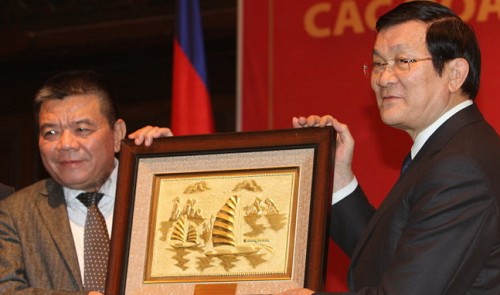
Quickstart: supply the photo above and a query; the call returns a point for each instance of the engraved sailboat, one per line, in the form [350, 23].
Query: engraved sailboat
[224, 231]
[184, 234]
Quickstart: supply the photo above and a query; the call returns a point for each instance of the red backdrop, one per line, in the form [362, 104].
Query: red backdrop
[302, 57]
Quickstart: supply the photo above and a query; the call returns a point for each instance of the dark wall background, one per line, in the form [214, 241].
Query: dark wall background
[128, 40]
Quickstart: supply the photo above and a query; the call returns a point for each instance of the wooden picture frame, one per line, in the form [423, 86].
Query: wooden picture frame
[246, 212]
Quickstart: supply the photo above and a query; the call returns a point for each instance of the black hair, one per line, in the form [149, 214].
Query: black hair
[448, 37]
[78, 82]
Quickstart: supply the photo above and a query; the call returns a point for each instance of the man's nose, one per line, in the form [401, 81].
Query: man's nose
[386, 77]
[67, 140]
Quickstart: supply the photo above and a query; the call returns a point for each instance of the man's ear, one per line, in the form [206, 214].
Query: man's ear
[119, 131]
[458, 70]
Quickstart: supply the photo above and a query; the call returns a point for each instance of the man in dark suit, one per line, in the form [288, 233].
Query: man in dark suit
[438, 230]
[5, 190]
[42, 227]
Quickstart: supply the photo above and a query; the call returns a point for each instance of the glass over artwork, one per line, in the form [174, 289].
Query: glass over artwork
[230, 225]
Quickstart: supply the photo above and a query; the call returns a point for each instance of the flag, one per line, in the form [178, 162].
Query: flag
[191, 107]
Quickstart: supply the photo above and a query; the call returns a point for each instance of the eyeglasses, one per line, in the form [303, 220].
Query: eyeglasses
[398, 65]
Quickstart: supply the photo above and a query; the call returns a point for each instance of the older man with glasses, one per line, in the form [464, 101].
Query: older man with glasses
[438, 230]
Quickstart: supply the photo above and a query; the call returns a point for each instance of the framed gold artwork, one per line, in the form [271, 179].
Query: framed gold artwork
[247, 210]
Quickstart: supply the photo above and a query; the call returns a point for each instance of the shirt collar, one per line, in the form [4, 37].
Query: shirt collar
[108, 188]
[423, 136]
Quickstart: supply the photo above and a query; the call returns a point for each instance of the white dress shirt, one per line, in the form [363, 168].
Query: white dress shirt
[419, 142]
[77, 211]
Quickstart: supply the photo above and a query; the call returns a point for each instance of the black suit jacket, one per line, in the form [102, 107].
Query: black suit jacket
[5, 191]
[438, 230]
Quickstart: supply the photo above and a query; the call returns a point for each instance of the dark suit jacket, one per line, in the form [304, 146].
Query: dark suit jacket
[37, 255]
[438, 230]
[5, 191]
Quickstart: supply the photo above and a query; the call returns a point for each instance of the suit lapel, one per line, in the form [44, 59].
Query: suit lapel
[52, 207]
[401, 188]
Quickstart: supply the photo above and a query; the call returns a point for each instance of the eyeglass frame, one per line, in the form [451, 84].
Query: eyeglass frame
[383, 65]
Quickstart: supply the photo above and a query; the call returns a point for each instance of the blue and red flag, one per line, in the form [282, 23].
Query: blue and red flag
[191, 107]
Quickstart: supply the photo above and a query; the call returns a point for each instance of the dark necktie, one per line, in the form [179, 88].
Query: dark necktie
[96, 244]
[406, 163]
